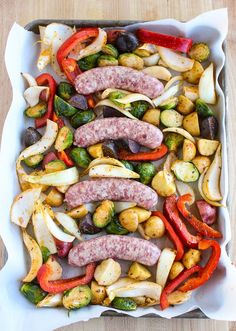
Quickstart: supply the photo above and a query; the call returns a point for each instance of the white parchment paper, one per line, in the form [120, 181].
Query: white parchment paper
[217, 299]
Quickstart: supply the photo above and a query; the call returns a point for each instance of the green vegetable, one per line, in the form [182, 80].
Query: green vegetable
[89, 62]
[199, 52]
[33, 161]
[37, 111]
[77, 297]
[124, 304]
[203, 109]
[64, 139]
[103, 214]
[63, 108]
[173, 141]
[82, 117]
[171, 118]
[55, 165]
[138, 108]
[169, 103]
[113, 96]
[131, 60]
[185, 171]
[110, 50]
[128, 165]
[114, 227]
[107, 60]
[45, 253]
[65, 90]
[146, 171]
[80, 156]
[33, 292]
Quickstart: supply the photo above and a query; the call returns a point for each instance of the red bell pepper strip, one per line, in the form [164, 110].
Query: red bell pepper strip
[164, 40]
[46, 79]
[171, 212]
[209, 268]
[90, 101]
[113, 34]
[58, 120]
[57, 286]
[65, 158]
[63, 247]
[71, 69]
[153, 155]
[172, 234]
[198, 225]
[175, 283]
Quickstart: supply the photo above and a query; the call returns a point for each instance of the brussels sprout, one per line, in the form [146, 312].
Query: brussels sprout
[128, 165]
[65, 90]
[64, 139]
[173, 141]
[203, 109]
[104, 214]
[89, 62]
[77, 297]
[131, 60]
[82, 117]
[114, 227]
[126, 42]
[33, 161]
[138, 108]
[107, 60]
[33, 292]
[124, 304]
[169, 103]
[171, 118]
[31, 136]
[63, 108]
[55, 165]
[36, 111]
[45, 253]
[185, 171]
[146, 171]
[113, 96]
[199, 52]
[80, 156]
[109, 49]
[78, 101]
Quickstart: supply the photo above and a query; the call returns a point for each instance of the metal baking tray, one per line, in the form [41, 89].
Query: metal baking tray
[34, 27]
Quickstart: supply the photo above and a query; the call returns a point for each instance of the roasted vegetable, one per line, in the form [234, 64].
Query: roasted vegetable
[107, 170]
[199, 52]
[78, 101]
[207, 147]
[69, 224]
[131, 60]
[183, 188]
[189, 150]
[175, 60]
[170, 103]
[36, 111]
[123, 205]
[109, 49]
[191, 258]
[201, 163]
[129, 220]
[209, 127]
[147, 171]
[110, 149]
[152, 116]
[111, 112]
[33, 161]
[78, 297]
[65, 90]
[103, 214]
[176, 269]
[163, 183]
[87, 226]
[114, 227]
[107, 60]
[80, 156]
[129, 145]
[124, 304]
[191, 92]
[151, 60]
[178, 297]
[154, 227]
[138, 108]
[63, 108]
[193, 75]
[98, 293]
[51, 156]
[164, 265]
[78, 212]
[82, 117]
[207, 212]
[31, 136]
[171, 118]
[54, 198]
[146, 49]
[89, 61]
[107, 272]
[63, 247]
[185, 106]
[157, 71]
[64, 139]
[185, 171]
[206, 86]
[128, 165]
[95, 150]
[126, 42]
[51, 300]
[191, 124]
[45, 253]
[138, 272]
[33, 292]
[173, 141]
[203, 109]
[55, 165]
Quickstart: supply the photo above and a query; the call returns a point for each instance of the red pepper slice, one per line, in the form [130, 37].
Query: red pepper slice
[58, 120]
[209, 268]
[153, 155]
[173, 236]
[164, 40]
[171, 212]
[198, 225]
[71, 69]
[63, 156]
[46, 79]
[90, 101]
[57, 286]
[175, 283]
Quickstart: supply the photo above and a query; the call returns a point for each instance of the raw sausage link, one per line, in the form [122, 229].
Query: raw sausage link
[114, 246]
[118, 128]
[112, 189]
[99, 79]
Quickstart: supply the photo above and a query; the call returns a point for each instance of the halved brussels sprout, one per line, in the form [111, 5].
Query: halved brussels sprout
[109, 49]
[107, 60]
[77, 297]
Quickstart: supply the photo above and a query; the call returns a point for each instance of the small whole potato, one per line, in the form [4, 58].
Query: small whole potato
[54, 198]
[191, 258]
[176, 269]
[129, 220]
[154, 227]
